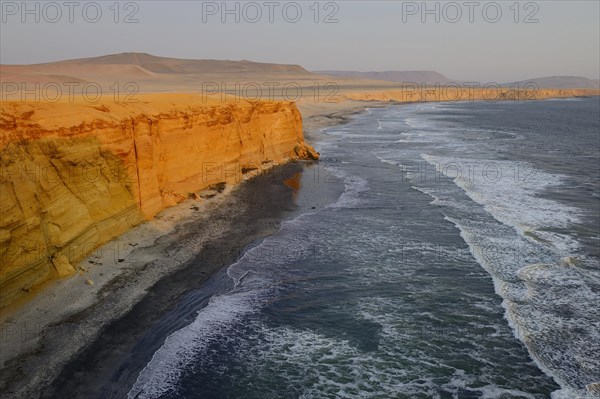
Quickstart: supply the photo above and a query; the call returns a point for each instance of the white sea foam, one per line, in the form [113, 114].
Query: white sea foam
[509, 191]
[417, 136]
[389, 162]
[417, 123]
[331, 366]
[568, 393]
[254, 276]
[161, 375]
[535, 294]
[322, 365]
[549, 298]
[354, 186]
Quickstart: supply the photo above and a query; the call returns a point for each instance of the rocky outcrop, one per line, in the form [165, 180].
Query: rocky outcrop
[74, 175]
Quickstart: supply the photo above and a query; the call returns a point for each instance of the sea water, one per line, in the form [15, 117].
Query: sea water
[460, 261]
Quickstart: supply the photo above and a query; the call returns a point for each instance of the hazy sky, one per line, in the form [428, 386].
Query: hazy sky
[368, 35]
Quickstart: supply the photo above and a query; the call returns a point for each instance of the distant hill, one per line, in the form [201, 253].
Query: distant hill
[560, 82]
[149, 70]
[153, 73]
[184, 66]
[427, 77]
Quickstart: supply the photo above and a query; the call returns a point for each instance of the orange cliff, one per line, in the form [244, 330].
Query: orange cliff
[75, 175]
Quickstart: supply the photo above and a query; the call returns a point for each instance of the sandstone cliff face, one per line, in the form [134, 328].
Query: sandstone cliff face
[75, 175]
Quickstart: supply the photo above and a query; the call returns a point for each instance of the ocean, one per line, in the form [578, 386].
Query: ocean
[438, 250]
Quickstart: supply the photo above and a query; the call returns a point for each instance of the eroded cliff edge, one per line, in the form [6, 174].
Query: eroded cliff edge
[75, 175]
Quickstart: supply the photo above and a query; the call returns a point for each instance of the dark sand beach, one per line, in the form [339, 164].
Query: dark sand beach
[75, 356]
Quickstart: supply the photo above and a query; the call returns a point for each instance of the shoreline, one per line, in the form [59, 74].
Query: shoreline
[150, 261]
[41, 337]
[158, 259]
[316, 117]
[100, 296]
[38, 348]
